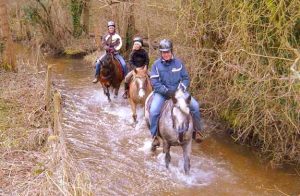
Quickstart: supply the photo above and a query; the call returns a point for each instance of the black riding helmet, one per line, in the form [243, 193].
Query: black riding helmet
[138, 39]
[165, 45]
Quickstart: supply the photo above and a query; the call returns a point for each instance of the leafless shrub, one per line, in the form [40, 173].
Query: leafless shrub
[242, 55]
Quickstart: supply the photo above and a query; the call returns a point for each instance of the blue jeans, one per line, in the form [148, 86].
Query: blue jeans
[117, 56]
[156, 106]
[98, 65]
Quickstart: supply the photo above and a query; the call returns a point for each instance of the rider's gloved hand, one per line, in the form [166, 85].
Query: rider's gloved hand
[170, 93]
[111, 50]
[106, 48]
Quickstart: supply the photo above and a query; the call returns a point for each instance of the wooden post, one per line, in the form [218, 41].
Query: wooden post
[57, 113]
[48, 88]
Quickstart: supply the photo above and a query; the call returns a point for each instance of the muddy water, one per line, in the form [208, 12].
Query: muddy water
[116, 153]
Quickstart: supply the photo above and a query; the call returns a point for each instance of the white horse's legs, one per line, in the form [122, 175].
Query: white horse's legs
[187, 148]
[166, 149]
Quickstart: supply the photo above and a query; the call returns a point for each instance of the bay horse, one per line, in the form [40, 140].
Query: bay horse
[139, 89]
[111, 74]
[175, 126]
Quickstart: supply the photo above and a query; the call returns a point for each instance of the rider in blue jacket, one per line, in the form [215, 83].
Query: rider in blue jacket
[167, 73]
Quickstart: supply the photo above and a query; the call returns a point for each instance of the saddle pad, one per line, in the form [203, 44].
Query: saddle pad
[149, 102]
[120, 68]
[166, 104]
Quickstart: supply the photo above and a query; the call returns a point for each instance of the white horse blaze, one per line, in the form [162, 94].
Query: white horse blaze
[183, 106]
[142, 92]
[180, 96]
[180, 117]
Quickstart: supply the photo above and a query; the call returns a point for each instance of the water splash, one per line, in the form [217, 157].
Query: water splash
[146, 148]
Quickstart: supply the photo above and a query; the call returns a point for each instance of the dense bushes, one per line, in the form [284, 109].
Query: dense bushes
[245, 51]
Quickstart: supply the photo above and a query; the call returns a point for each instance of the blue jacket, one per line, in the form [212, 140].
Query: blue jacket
[168, 75]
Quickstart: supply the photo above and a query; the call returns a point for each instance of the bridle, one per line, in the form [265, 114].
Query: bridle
[145, 78]
[186, 123]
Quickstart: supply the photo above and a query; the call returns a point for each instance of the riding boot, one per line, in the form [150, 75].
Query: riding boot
[198, 127]
[96, 79]
[126, 87]
[155, 143]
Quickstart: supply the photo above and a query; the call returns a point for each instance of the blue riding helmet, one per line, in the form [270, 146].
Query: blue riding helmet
[165, 45]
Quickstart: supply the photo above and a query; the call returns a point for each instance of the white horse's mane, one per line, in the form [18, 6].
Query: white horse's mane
[181, 96]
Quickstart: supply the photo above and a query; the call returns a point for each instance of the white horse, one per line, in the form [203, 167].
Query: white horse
[175, 126]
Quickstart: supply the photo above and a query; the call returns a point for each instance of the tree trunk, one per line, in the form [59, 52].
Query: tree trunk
[131, 30]
[76, 11]
[9, 59]
[86, 16]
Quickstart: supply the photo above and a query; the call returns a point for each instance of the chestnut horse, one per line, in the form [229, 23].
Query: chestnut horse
[111, 74]
[139, 89]
[175, 126]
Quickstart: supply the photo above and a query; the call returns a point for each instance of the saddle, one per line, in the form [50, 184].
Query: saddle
[120, 67]
[149, 104]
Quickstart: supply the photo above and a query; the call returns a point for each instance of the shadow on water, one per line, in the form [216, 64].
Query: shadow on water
[116, 153]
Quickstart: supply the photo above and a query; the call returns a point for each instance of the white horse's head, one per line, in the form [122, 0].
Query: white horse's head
[181, 110]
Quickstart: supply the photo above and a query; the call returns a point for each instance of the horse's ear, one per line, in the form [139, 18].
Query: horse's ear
[174, 99]
[189, 99]
[181, 87]
[145, 67]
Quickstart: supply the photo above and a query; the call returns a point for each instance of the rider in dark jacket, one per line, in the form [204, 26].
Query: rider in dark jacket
[138, 59]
